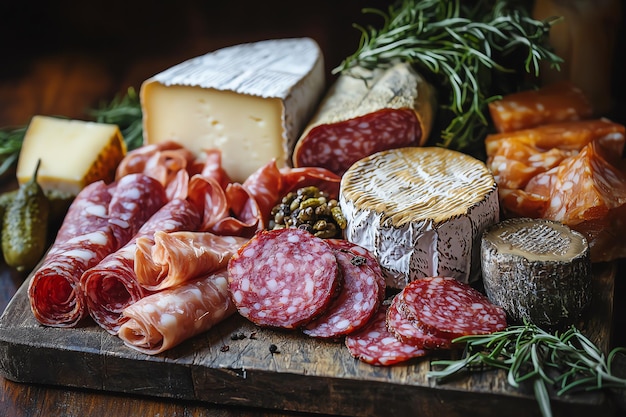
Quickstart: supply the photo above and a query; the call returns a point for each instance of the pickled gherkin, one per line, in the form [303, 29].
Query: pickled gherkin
[310, 209]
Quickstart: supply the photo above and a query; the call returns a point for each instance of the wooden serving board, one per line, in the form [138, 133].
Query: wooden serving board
[304, 374]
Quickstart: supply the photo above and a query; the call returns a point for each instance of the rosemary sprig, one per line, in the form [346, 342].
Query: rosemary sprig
[10, 145]
[567, 361]
[461, 46]
[124, 111]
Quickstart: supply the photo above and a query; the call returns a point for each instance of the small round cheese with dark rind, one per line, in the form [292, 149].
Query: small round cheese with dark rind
[537, 270]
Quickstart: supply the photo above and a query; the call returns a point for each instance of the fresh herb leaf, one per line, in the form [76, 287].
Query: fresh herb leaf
[11, 140]
[465, 48]
[568, 361]
[125, 112]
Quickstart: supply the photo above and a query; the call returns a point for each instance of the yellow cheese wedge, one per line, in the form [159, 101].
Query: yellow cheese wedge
[73, 153]
[250, 101]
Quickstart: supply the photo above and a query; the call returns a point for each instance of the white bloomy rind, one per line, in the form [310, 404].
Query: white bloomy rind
[421, 211]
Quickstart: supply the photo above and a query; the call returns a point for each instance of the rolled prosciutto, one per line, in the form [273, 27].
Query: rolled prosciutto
[164, 319]
[170, 259]
[112, 285]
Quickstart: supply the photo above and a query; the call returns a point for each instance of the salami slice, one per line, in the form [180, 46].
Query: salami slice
[375, 345]
[170, 259]
[449, 308]
[165, 319]
[84, 239]
[366, 113]
[283, 278]
[112, 285]
[136, 198]
[367, 257]
[357, 301]
[410, 331]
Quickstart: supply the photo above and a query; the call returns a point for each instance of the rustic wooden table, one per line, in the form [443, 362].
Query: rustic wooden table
[64, 59]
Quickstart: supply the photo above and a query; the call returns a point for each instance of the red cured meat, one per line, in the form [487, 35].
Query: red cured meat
[165, 319]
[112, 285]
[410, 331]
[375, 345]
[172, 258]
[283, 278]
[322, 178]
[357, 301]
[369, 258]
[83, 240]
[136, 198]
[449, 308]
[338, 145]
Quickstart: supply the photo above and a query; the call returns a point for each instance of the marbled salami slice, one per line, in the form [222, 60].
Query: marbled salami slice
[112, 285]
[136, 198]
[375, 345]
[449, 308]
[165, 319]
[368, 258]
[410, 331]
[283, 278]
[357, 301]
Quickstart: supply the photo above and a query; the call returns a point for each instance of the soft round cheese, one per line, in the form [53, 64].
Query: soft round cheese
[421, 211]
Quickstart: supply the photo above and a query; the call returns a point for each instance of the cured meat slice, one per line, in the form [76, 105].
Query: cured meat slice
[367, 257]
[169, 259]
[84, 239]
[375, 345]
[283, 278]
[165, 319]
[556, 102]
[364, 113]
[136, 198]
[537, 270]
[411, 331]
[450, 309]
[357, 301]
[112, 285]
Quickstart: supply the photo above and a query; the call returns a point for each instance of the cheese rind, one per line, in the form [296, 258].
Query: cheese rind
[73, 153]
[251, 101]
[421, 211]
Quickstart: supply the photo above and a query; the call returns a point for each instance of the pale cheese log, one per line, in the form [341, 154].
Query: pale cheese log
[537, 270]
[73, 153]
[250, 101]
[421, 211]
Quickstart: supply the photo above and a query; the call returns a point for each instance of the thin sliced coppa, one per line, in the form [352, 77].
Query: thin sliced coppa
[283, 278]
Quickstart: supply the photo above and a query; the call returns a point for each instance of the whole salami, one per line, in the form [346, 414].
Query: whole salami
[112, 285]
[283, 278]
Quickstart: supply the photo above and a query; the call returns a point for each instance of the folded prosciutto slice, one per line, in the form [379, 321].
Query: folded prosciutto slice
[97, 223]
[165, 319]
[112, 285]
[170, 259]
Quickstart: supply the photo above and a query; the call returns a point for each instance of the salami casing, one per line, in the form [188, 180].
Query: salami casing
[283, 278]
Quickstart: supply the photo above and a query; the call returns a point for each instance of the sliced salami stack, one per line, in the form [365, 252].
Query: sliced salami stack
[431, 312]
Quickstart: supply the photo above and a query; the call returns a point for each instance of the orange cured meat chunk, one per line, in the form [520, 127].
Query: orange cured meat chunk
[557, 102]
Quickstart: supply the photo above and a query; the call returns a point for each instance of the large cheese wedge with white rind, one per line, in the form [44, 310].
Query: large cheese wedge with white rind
[421, 211]
[251, 101]
[73, 153]
[538, 270]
